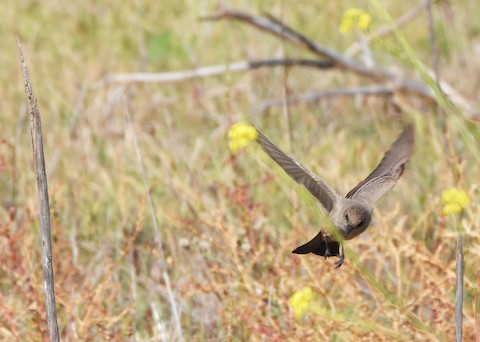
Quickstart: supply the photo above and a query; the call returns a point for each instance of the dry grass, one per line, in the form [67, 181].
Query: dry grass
[227, 223]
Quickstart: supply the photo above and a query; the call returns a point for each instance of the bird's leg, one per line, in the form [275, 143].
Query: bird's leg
[341, 257]
[327, 250]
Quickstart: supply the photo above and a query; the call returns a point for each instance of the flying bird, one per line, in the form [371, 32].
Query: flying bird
[350, 215]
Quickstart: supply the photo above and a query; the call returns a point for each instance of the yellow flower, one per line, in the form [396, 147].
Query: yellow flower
[355, 18]
[240, 135]
[302, 301]
[454, 201]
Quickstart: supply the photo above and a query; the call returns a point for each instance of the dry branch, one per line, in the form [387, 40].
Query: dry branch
[459, 290]
[277, 28]
[382, 90]
[330, 58]
[176, 76]
[42, 189]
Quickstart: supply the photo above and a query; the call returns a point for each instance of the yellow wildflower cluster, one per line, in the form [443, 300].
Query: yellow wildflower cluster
[240, 135]
[355, 18]
[303, 301]
[454, 201]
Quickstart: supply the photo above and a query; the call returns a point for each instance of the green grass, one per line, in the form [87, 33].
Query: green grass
[239, 215]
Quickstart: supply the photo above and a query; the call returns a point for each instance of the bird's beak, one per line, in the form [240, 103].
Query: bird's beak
[348, 230]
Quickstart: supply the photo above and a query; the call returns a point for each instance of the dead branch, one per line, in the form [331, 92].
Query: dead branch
[330, 59]
[176, 76]
[279, 29]
[459, 290]
[42, 189]
[378, 90]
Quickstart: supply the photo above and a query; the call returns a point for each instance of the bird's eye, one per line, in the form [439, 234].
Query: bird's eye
[346, 217]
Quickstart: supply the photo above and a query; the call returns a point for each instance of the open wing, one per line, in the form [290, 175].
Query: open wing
[317, 187]
[391, 167]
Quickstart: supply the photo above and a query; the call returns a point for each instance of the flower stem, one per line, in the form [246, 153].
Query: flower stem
[459, 290]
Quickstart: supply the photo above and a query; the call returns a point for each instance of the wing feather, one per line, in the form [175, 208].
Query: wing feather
[314, 184]
[387, 173]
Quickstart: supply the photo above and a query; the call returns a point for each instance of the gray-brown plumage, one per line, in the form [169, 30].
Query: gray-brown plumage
[351, 215]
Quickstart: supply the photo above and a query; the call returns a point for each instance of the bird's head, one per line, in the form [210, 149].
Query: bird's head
[356, 220]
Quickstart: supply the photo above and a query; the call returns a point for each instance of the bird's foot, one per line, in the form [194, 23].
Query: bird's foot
[327, 250]
[340, 260]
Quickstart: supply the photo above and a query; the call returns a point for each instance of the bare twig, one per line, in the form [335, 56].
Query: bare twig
[330, 59]
[44, 207]
[382, 90]
[275, 27]
[459, 290]
[184, 75]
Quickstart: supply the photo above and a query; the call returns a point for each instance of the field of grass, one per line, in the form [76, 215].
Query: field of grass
[206, 255]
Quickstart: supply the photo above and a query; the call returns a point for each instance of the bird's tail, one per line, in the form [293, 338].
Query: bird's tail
[319, 246]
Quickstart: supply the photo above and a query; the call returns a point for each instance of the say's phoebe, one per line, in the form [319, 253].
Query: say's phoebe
[350, 215]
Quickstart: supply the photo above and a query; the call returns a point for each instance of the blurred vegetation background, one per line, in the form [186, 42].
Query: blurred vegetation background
[221, 266]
